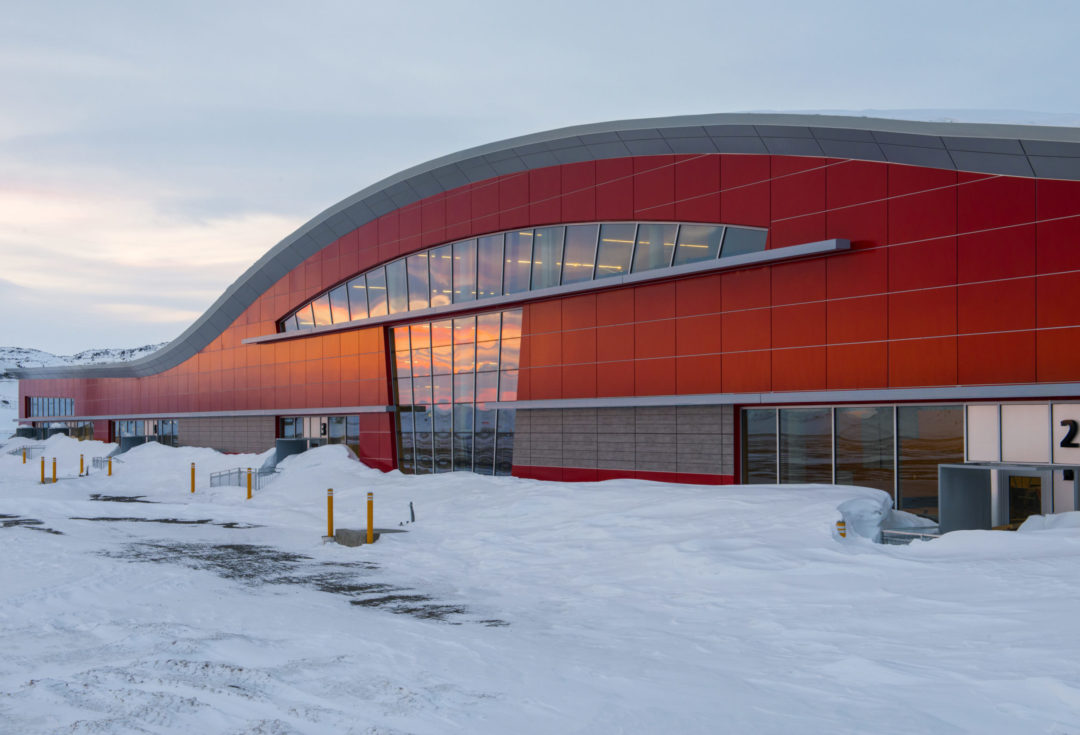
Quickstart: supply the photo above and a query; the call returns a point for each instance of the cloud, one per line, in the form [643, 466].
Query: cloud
[152, 151]
[116, 267]
[150, 314]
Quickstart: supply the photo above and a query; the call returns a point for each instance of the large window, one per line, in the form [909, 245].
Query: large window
[883, 447]
[444, 374]
[441, 264]
[518, 254]
[547, 257]
[358, 300]
[655, 246]
[489, 273]
[465, 270]
[164, 431]
[740, 241]
[339, 304]
[321, 309]
[397, 287]
[518, 261]
[320, 430]
[35, 406]
[805, 445]
[759, 446]
[419, 293]
[864, 447]
[927, 436]
[168, 432]
[697, 243]
[376, 292]
[304, 319]
[614, 250]
[580, 253]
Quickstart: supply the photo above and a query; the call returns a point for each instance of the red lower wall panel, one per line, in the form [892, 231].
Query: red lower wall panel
[578, 474]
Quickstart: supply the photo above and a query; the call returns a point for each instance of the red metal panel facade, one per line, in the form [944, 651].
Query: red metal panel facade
[953, 278]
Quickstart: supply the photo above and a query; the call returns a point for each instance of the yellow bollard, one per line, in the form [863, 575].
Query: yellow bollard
[193, 477]
[371, 518]
[110, 466]
[81, 465]
[54, 469]
[249, 483]
[24, 455]
[841, 528]
[43, 469]
[330, 512]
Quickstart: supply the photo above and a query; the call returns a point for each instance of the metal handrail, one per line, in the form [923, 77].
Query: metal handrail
[33, 451]
[901, 536]
[238, 477]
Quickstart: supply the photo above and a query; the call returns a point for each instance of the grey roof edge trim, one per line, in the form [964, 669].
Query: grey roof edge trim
[202, 332]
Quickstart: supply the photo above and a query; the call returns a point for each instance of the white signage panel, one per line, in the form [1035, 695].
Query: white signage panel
[983, 434]
[1066, 430]
[1025, 432]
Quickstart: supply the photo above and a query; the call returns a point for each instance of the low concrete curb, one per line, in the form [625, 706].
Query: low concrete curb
[358, 537]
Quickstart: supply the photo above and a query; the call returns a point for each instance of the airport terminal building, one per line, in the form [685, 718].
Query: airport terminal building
[710, 299]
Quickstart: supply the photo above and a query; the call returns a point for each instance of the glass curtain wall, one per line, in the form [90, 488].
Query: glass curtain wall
[168, 432]
[614, 249]
[165, 431]
[759, 446]
[49, 406]
[927, 436]
[322, 430]
[547, 257]
[441, 264]
[864, 447]
[800, 444]
[805, 445]
[655, 246]
[518, 261]
[83, 430]
[489, 274]
[446, 373]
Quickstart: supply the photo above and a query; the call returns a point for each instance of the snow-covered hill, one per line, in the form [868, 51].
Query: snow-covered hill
[19, 357]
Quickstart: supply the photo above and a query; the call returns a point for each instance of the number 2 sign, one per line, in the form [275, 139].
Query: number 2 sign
[1069, 440]
[1066, 444]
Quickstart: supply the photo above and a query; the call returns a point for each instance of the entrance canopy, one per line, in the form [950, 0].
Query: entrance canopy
[985, 495]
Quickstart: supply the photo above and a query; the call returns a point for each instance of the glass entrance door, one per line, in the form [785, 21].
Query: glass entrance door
[1025, 498]
[1022, 494]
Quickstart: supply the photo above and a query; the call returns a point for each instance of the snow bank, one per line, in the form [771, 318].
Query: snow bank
[865, 516]
[903, 519]
[511, 606]
[65, 449]
[1056, 522]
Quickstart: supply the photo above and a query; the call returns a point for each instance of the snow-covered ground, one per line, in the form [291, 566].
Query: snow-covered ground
[509, 606]
[15, 357]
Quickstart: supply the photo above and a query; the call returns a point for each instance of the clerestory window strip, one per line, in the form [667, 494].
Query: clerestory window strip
[518, 261]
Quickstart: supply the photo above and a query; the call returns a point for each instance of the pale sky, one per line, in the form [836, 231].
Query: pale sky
[150, 152]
